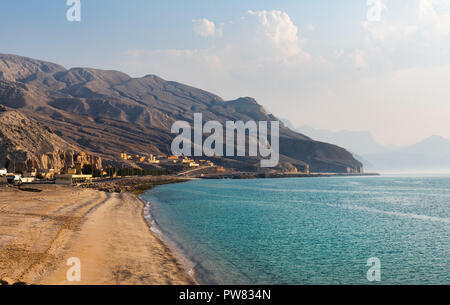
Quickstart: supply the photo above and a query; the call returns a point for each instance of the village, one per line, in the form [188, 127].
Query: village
[132, 165]
[152, 159]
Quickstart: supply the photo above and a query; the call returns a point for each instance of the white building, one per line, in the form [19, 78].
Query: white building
[152, 159]
[14, 178]
[69, 179]
[28, 179]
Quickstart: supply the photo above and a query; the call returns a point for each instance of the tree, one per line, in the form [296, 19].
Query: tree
[87, 169]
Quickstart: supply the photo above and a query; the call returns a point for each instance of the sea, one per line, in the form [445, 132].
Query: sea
[391, 229]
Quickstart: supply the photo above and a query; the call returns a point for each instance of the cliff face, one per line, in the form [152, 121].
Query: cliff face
[108, 112]
[26, 144]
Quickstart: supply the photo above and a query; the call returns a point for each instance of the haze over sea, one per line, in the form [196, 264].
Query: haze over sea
[309, 230]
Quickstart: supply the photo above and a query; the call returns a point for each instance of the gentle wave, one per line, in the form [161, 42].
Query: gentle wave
[391, 213]
[188, 264]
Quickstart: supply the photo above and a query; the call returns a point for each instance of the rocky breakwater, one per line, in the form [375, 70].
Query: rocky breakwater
[136, 185]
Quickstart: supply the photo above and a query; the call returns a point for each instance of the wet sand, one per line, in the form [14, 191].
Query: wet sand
[39, 232]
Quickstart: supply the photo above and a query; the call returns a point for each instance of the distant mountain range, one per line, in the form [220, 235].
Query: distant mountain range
[108, 112]
[431, 154]
[358, 142]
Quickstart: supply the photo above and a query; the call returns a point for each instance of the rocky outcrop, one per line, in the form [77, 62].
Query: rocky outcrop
[26, 145]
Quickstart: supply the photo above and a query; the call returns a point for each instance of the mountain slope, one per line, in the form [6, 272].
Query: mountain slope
[108, 112]
[26, 145]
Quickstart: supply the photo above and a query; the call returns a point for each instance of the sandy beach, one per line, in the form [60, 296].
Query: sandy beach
[39, 232]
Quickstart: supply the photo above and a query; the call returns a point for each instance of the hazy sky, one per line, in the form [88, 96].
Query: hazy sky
[328, 64]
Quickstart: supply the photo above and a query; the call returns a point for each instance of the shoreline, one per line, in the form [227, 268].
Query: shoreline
[284, 176]
[74, 219]
[220, 271]
[106, 231]
[187, 262]
[153, 226]
[140, 189]
[192, 267]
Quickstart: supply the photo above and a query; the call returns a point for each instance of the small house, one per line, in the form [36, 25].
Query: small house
[27, 179]
[70, 179]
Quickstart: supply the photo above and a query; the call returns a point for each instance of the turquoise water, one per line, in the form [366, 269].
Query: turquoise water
[309, 230]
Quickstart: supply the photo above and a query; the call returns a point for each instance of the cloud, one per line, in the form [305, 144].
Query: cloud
[434, 16]
[360, 61]
[389, 78]
[428, 27]
[279, 29]
[204, 27]
[310, 27]
[249, 54]
[248, 44]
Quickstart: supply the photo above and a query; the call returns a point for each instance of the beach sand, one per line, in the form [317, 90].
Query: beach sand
[39, 232]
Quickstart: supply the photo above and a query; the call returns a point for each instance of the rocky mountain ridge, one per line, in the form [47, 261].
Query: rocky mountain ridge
[109, 112]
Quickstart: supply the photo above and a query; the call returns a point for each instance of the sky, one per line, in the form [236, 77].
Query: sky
[375, 65]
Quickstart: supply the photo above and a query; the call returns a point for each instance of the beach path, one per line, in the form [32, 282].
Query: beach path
[40, 232]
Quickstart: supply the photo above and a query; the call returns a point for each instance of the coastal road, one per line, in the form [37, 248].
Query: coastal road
[195, 170]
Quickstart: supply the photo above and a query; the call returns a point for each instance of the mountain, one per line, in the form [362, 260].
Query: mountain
[432, 146]
[358, 142]
[26, 145]
[432, 153]
[109, 112]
